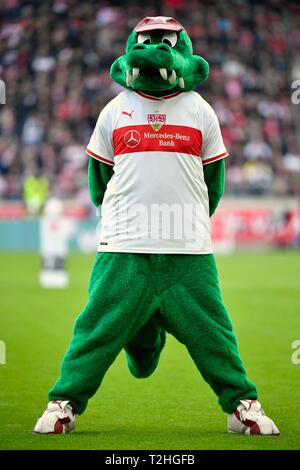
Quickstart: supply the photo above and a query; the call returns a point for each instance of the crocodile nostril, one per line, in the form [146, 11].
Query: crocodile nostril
[164, 47]
[138, 46]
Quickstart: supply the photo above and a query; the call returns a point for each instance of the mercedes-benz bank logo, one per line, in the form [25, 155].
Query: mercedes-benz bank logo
[132, 138]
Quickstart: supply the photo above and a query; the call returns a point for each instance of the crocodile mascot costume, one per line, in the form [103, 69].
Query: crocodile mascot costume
[156, 167]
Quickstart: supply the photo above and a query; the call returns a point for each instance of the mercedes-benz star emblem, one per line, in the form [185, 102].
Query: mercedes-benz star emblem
[132, 138]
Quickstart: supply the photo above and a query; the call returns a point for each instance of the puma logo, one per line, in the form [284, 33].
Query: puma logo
[128, 114]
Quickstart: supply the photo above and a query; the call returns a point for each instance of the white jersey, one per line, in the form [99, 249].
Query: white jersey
[157, 199]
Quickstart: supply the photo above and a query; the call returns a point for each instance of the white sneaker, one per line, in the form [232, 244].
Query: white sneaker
[59, 418]
[249, 418]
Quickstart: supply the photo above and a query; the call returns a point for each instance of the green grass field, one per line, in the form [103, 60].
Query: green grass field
[173, 409]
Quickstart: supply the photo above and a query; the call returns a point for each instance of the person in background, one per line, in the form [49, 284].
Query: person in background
[55, 231]
[35, 193]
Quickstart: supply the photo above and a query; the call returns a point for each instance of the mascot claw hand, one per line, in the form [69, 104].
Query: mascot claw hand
[156, 144]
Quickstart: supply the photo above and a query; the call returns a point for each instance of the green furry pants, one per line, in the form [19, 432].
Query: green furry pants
[133, 300]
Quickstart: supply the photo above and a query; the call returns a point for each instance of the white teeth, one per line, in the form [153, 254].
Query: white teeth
[163, 73]
[172, 77]
[181, 82]
[132, 75]
[129, 78]
[135, 73]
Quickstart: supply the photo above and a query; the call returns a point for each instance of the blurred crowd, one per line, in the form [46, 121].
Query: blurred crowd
[55, 59]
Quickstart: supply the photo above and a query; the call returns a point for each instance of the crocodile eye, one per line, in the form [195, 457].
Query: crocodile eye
[170, 39]
[144, 38]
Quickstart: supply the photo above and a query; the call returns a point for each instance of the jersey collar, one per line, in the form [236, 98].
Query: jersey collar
[157, 98]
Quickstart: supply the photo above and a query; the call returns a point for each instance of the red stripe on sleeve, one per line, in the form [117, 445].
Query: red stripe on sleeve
[214, 159]
[101, 159]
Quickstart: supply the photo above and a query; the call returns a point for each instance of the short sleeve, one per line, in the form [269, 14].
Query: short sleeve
[100, 145]
[213, 148]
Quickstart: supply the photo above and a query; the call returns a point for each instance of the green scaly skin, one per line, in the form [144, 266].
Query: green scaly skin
[194, 70]
[190, 306]
[149, 58]
[143, 351]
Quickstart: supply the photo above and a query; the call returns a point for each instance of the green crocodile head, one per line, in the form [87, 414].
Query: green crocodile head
[159, 60]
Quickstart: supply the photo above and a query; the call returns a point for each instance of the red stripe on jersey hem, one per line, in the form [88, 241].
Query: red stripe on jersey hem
[214, 159]
[157, 98]
[101, 159]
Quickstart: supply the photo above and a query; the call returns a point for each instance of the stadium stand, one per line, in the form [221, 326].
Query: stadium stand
[55, 59]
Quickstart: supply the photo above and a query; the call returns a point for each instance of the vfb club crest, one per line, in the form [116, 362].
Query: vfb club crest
[156, 120]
